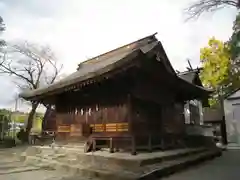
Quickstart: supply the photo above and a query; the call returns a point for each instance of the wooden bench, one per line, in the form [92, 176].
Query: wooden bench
[112, 145]
[95, 145]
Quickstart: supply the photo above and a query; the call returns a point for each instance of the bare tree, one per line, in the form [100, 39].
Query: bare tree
[2, 28]
[32, 66]
[199, 7]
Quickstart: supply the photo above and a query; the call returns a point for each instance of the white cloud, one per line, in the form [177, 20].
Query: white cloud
[79, 29]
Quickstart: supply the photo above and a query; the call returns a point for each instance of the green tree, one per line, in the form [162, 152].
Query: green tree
[4, 112]
[4, 121]
[234, 41]
[234, 45]
[216, 73]
[39, 115]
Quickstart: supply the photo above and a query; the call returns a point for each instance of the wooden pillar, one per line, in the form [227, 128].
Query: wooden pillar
[111, 145]
[94, 145]
[86, 116]
[162, 127]
[133, 149]
[129, 111]
[105, 120]
[130, 122]
[150, 142]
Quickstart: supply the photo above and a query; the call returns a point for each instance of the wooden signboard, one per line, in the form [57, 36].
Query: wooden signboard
[122, 127]
[63, 129]
[98, 127]
[110, 127]
[76, 130]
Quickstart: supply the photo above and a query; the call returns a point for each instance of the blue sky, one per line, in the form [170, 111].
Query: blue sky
[80, 29]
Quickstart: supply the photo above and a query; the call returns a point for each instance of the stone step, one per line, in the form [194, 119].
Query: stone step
[52, 164]
[53, 150]
[9, 161]
[126, 161]
[150, 172]
[115, 160]
[167, 168]
[147, 171]
[11, 165]
[172, 156]
[19, 170]
[144, 173]
[88, 172]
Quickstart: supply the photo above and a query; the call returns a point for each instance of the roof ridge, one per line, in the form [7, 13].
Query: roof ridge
[115, 50]
[190, 71]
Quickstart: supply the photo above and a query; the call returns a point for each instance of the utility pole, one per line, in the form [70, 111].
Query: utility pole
[15, 117]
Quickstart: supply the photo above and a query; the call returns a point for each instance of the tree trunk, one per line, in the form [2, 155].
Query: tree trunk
[223, 123]
[46, 117]
[31, 117]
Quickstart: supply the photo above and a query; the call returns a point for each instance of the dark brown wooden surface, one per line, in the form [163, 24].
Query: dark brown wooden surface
[142, 104]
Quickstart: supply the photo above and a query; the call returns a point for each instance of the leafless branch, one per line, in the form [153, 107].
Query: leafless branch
[30, 64]
[7, 68]
[56, 71]
[199, 7]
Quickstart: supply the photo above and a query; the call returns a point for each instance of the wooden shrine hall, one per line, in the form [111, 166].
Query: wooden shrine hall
[127, 99]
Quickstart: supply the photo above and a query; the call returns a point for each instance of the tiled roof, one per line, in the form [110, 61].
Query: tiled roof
[188, 76]
[107, 62]
[98, 65]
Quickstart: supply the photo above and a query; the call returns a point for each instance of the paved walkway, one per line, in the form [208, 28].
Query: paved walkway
[225, 167]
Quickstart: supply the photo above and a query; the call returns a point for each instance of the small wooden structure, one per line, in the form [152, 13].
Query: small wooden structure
[130, 97]
[194, 107]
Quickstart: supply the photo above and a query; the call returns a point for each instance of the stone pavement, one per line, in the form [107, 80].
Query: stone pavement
[222, 168]
[11, 168]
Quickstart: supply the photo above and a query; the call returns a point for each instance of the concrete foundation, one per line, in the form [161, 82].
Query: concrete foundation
[119, 165]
